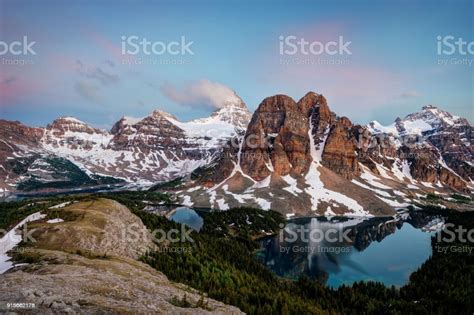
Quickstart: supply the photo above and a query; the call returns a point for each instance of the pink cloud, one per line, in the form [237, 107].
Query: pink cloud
[14, 88]
[111, 47]
[355, 80]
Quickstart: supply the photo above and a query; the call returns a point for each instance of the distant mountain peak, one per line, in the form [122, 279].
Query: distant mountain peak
[71, 124]
[68, 120]
[429, 118]
[157, 113]
[233, 111]
[427, 107]
[72, 119]
[435, 117]
[128, 120]
[236, 114]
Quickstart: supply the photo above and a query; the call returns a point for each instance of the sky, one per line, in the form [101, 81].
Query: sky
[82, 59]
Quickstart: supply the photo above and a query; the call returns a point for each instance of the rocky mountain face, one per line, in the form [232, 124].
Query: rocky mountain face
[281, 140]
[139, 152]
[16, 142]
[436, 145]
[300, 158]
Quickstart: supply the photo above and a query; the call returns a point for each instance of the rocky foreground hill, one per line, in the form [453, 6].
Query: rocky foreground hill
[294, 157]
[87, 264]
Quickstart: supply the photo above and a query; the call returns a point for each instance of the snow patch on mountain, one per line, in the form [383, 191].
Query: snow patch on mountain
[429, 118]
[371, 179]
[316, 188]
[210, 130]
[292, 188]
[154, 148]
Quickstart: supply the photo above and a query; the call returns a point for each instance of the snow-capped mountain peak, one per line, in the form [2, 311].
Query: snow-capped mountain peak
[233, 111]
[68, 122]
[435, 117]
[157, 113]
[130, 121]
[143, 150]
[430, 118]
[72, 119]
[69, 125]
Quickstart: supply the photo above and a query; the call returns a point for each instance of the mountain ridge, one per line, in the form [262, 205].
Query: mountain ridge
[317, 160]
[143, 151]
[307, 156]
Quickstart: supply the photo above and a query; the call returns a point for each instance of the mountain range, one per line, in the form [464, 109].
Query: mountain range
[294, 157]
[137, 151]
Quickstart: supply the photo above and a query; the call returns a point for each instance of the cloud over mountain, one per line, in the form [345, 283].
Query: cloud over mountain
[200, 93]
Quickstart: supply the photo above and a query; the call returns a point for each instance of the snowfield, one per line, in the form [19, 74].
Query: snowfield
[12, 239]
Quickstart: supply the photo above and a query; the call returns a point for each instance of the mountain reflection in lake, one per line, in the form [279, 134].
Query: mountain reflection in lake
[387, 250]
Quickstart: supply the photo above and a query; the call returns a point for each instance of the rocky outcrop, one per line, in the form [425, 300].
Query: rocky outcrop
[425, 166]
[315, 106]
[276, 139]
[17, 141]
[437, 145]
[455, 144]
[100, 227]
[339, 154]
[281, 126]
[17, 133]
[78, 285]
[73, 134]
[450, 179]
[153, 132]
[87, 264]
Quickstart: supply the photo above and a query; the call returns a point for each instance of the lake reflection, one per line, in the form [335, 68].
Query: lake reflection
[387, 250]
[188, 217]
